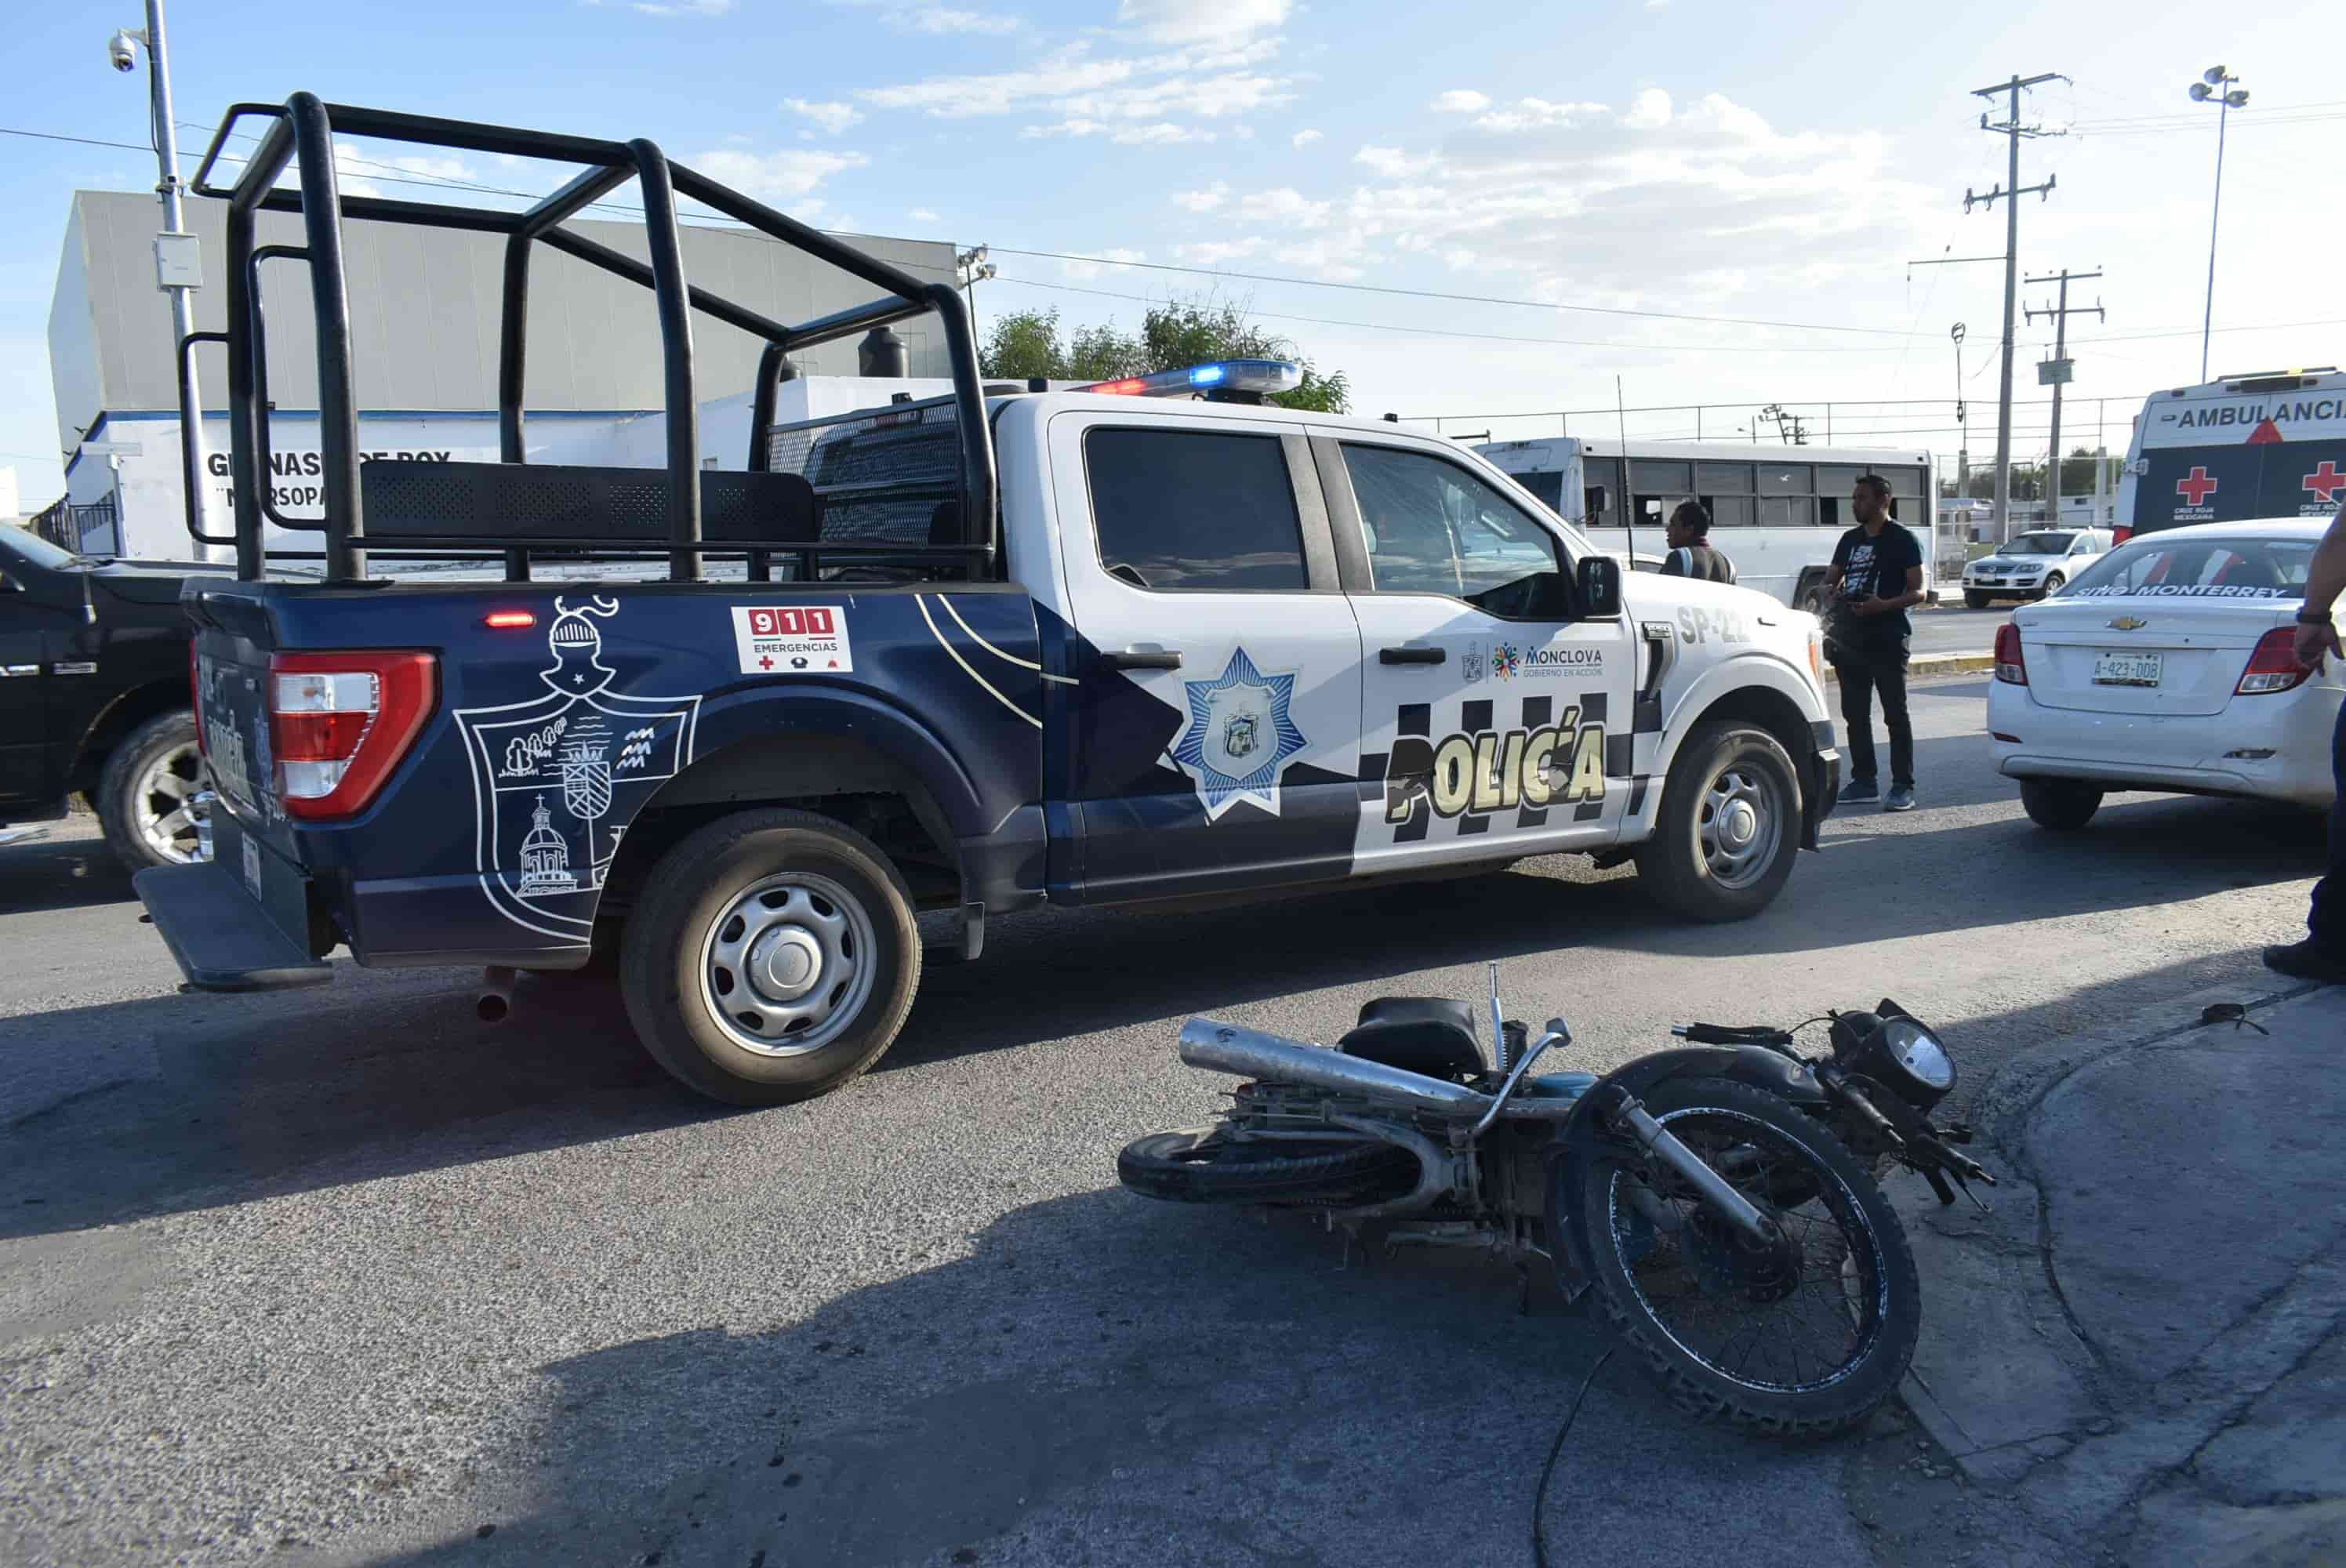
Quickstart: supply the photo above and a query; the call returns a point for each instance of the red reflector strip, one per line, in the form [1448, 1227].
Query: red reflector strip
[509, 620]
[320, 737]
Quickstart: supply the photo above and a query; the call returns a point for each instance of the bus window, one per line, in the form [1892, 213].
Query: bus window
[1787, 511]
[1605, 472]
[1664, 478]
[1729, 511]
[1723, 478]
[1548, 487]
[1785, 479]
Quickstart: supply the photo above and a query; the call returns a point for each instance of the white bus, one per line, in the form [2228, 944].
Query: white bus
[1777, 511]
[2246, 446]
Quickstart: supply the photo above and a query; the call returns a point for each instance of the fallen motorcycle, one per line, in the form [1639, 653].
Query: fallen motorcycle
[1719, 1199]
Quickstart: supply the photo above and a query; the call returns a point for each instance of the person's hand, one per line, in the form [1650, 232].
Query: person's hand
[1872, 605]
[2316, 640]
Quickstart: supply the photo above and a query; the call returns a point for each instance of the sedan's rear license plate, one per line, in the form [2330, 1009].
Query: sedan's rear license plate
[2128, 669]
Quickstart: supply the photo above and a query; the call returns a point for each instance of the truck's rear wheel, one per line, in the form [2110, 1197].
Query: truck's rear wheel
[773, 957]
[145, 793]
[1730, 826]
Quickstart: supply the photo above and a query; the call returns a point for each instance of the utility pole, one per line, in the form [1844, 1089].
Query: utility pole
[1962, 423]
[2058, 369]
[2009, 194]
[178, 264]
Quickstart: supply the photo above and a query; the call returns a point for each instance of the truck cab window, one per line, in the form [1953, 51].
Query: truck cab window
[1433, 528]
[1193, 511]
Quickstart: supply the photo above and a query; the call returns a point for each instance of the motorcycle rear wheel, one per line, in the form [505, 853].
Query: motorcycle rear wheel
[1803, 1340]
[1204, 1165]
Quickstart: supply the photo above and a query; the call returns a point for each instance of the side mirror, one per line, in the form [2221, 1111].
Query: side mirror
[1594, 500]
[1599, 581]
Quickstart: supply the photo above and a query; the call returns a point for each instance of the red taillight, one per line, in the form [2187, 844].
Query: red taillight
[2009, 665]
[2273, 666]
[195, 693]
[340, 722]
[2120, 534]
[509, 620]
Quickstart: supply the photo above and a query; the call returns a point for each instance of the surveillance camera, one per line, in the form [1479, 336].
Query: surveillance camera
[119, 50]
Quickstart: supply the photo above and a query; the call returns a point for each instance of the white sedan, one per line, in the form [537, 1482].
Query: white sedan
[2168, 666]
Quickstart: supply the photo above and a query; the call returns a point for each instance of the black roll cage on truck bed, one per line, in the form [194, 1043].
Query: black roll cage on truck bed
[512, 507]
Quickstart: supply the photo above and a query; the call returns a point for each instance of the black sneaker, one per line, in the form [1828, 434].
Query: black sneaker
[2307, 961]
[1862, 789]
[1900, 798]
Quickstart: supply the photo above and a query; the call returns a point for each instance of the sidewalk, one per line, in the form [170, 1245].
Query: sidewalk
[2141, 1347]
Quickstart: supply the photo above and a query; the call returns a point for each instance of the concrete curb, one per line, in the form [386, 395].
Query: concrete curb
[1927, 664]
[2005, 1380]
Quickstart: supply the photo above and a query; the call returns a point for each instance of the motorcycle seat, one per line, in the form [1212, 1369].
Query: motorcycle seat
[1430, 1034]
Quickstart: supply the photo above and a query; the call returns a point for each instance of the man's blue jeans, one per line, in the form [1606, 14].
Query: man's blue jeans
[2327, 919]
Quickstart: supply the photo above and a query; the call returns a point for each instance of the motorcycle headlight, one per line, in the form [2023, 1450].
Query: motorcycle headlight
[1898, 1051]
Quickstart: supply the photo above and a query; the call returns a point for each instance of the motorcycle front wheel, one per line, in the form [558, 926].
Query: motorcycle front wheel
[1803, 1338]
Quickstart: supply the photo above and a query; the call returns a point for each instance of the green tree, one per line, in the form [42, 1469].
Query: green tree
[1023, 343]
[1177, 334]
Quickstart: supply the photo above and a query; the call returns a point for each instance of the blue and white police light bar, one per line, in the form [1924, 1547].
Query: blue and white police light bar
[1248, 379]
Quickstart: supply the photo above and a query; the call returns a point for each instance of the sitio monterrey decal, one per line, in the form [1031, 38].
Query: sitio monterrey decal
[557, 779]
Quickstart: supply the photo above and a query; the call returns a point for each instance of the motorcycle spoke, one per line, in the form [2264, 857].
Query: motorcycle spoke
[1792, 1330]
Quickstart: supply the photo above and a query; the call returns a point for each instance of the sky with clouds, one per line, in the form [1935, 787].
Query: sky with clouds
[1716, 203]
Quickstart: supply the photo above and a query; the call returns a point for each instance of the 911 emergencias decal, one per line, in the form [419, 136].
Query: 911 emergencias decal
[792, 639]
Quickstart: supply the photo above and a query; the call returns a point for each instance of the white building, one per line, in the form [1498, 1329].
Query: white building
[424, 328]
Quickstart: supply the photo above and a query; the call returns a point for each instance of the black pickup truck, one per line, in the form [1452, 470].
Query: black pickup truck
[95, 698]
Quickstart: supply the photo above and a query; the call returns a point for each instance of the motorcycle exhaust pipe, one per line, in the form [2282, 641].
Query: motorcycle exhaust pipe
[495, 998]
[1246, 1053]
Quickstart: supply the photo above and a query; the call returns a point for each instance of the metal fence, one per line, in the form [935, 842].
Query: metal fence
[67, 523]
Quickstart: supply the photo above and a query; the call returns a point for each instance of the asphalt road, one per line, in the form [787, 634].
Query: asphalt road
[347, 1277]
[1952, 628]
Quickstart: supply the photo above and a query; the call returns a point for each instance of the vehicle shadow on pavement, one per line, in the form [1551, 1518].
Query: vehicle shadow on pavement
[60, 875]
[1108, 1381]
[226, 1099]
[210, 1099]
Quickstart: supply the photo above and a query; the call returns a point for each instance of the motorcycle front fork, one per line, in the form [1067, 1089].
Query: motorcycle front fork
[1631, 1117]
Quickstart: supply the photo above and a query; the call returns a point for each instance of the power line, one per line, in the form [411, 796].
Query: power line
[1606, 344]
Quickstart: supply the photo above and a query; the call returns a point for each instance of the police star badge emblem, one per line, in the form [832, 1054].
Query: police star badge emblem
[1240, 736]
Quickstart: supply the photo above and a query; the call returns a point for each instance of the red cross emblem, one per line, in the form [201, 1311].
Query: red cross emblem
[764, 662]
[2325, 482]
[2195, 487]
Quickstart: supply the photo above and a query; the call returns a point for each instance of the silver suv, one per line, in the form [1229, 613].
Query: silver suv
[2033, 565]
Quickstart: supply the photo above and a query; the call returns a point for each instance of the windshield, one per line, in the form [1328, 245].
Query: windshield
[31, 547]
[2039, 545]
[2166, 567]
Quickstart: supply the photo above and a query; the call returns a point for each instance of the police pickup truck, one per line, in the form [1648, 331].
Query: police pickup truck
[983, 651]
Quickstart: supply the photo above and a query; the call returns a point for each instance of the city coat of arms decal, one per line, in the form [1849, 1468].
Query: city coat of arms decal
[555, 779]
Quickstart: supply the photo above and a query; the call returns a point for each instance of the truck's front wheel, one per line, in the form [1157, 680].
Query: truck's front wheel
[773, 957]
[1731, 824]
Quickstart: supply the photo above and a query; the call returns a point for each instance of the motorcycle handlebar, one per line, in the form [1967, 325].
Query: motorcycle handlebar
[1730, 1035]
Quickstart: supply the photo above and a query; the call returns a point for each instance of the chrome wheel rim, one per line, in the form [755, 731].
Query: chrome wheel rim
[1740, 825]
[163, 810]
[788, 966]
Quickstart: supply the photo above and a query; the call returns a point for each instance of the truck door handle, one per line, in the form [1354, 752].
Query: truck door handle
[1134, 659]
[1412, 654]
